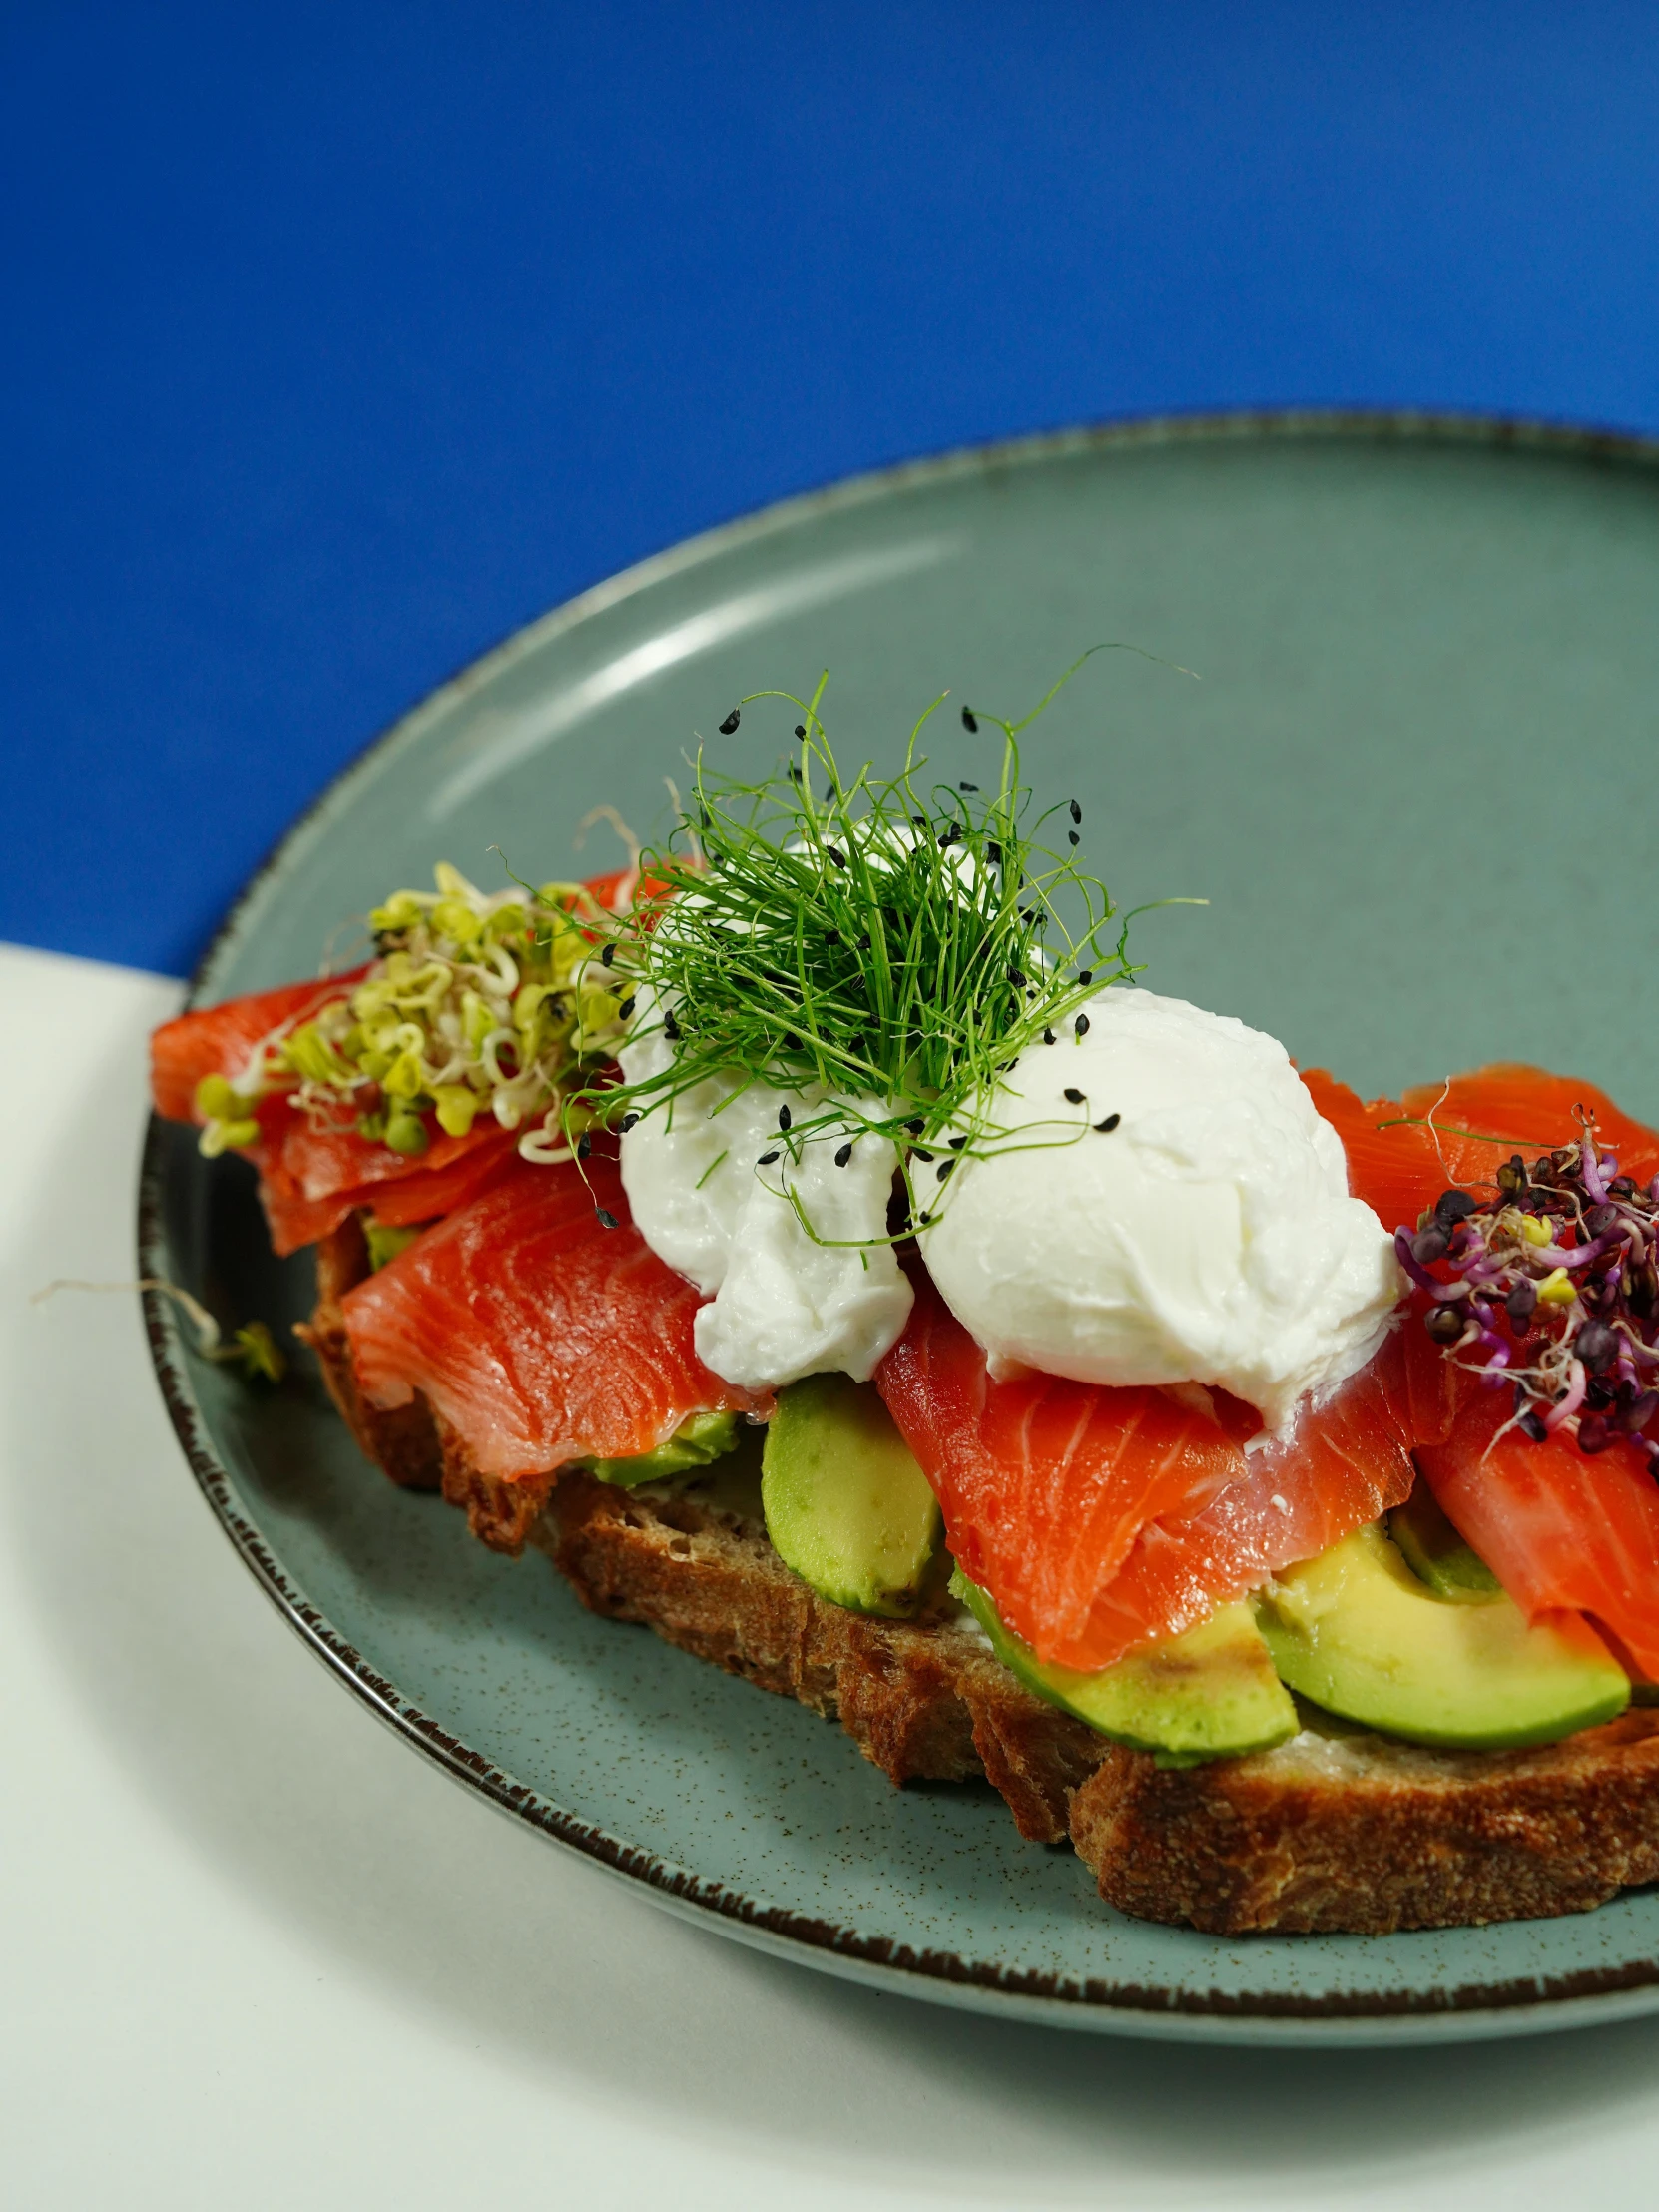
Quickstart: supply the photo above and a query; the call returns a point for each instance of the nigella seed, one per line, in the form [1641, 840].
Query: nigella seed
[994, 853]
[1085, 975]
[730, 723]
[625, 1012]
[671, 1028]
[584, 1144]
[1081, 1025]
[916, 1127]
[765, 1159]
[782, 1117]
[918, 1153]
[627, 1122]
[844, 1155]
[965, 785]
[1016, 976]
[1076, 811]
[1073, 1096]
[1109, 1124]
[1444, 1323]
[800, 729]
[605, 1218]
[922, 1220]
[607, 956]
[971, 722]
[956, 1143]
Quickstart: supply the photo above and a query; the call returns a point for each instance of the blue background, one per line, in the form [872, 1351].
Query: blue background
[342, 340]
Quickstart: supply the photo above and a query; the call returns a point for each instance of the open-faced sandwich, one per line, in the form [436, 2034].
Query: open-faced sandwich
[817, 1243]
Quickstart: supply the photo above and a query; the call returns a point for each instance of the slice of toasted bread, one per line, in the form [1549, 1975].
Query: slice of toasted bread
[1335, 1830]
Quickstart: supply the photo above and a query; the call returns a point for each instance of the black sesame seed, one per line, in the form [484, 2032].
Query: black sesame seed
[971, 721]
[1109, 1124]
[844, 1155]
[1076, 811]
[605, 1218]
[782, 1117]
[1081, 1025]
[1073, 1097]
[730, 723]
[626, 1010]
[765, 1159]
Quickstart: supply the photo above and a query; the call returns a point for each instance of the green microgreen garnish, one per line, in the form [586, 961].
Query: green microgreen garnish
[894, 942]
[478, 1002]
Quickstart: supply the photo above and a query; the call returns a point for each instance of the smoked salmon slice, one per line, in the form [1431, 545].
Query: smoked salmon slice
[537, 1333]
[217, 1040]
[1100, 1518]
[312, 1179]
[1558, 1528]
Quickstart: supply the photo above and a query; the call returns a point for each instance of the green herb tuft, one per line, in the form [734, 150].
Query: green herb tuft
[895, 942]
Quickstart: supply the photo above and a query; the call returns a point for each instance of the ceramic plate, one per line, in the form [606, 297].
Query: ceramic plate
[1429, 656]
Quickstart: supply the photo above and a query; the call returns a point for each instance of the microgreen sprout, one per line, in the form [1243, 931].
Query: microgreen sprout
[1551, 1287]
[478, 1002]
[888, 945]
[251, 1348]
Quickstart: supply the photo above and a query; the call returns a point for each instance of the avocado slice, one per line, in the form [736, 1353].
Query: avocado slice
[1357, 1633]
[1437, 1555]
[846, 1507]
[694, 1443]
[1210, 1693]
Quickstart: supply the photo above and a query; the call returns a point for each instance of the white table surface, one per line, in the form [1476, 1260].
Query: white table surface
[255, 1953]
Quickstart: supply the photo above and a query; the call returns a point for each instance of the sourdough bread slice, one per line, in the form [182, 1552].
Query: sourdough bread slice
[1335, 1830]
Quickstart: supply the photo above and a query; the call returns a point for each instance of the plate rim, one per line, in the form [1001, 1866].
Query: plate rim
[1517, 2005]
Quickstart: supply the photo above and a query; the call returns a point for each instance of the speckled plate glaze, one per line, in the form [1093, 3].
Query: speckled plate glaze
[1429, 661]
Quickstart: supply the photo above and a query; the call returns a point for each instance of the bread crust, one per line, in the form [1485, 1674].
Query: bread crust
[1335, 1830]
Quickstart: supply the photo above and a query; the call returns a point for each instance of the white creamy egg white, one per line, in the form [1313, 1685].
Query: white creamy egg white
[1206, 1237]
[781, 1305]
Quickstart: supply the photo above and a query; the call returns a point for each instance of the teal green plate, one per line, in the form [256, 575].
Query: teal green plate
[1413, 783]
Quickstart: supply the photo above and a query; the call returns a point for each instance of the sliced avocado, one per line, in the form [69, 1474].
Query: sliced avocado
[694, 1444]
[846, 1507]
[1437, 1555]
[1357, 1633]
[385, 1242]
[1210, 1693]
